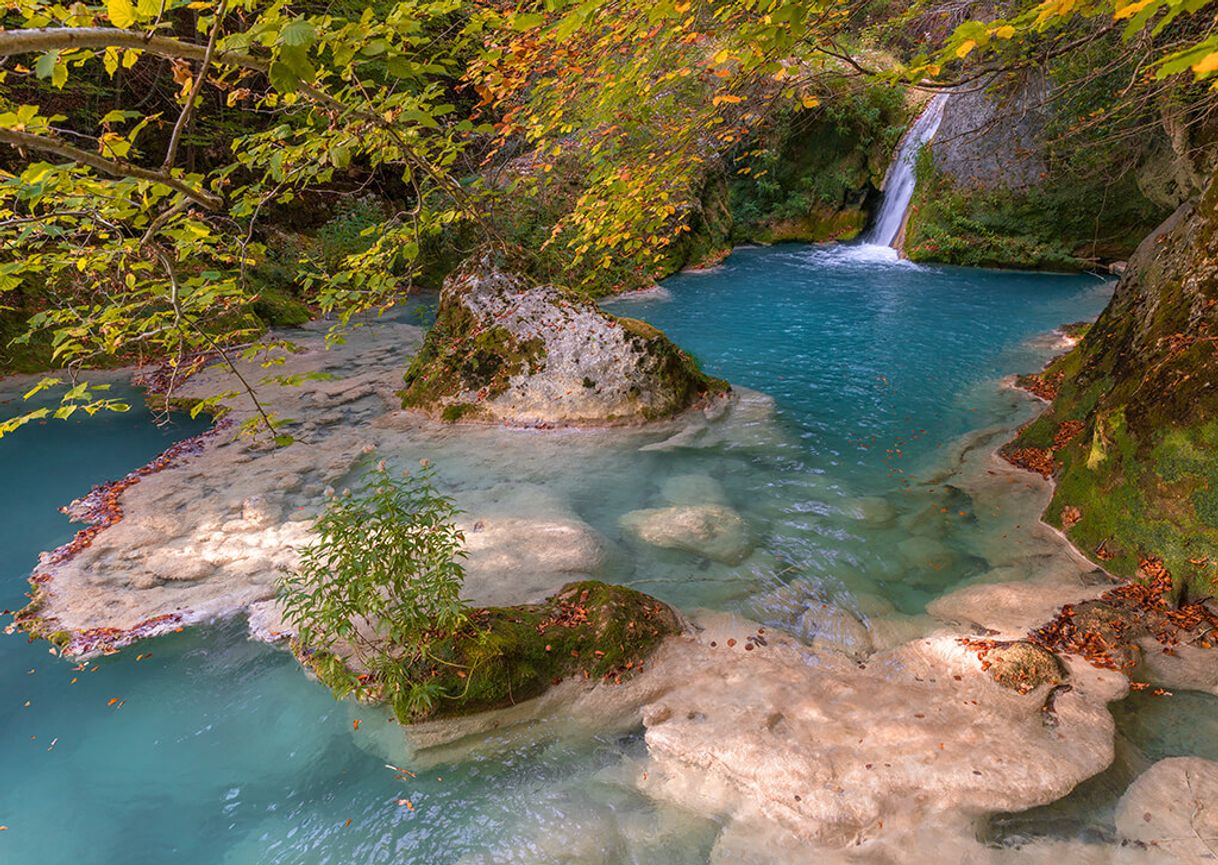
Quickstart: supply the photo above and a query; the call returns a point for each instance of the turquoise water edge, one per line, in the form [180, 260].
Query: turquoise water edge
[203, 747]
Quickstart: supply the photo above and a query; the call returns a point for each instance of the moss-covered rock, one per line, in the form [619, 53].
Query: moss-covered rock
[1051, 227]
[1023, 666]
[1133, 428]
[587, 630]
[504, 349]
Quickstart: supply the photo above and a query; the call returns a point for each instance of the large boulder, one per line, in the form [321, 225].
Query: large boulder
[504, 349]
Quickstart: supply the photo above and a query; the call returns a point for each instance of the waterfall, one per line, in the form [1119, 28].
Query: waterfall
[899, 181]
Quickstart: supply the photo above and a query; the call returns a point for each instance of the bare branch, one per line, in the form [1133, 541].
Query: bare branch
[171, 152]
[41, 143]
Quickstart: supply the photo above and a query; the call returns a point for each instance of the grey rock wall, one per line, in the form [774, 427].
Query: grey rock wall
[992, 134]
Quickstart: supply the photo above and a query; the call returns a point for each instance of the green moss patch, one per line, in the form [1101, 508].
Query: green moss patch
[459, 357]
[679, 375]
[588, 630]
[1053, 227]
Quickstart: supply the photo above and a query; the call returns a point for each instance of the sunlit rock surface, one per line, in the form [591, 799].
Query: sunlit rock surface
[838, 752]
[505, 349]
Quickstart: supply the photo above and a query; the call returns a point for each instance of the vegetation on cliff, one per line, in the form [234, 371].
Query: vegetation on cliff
[1132, 432]
[1060, 167]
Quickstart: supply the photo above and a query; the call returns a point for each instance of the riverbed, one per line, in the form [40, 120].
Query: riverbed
[205, 747]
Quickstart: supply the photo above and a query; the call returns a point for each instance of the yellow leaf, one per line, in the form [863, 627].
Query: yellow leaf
[1131, 9]
[726, 97]
[965, 47]
[110, 60]
[1207, 65]
[1006, 31]
[1051, 9]
[810, 101]
[113, 145]
[121, 12]
[130, 55]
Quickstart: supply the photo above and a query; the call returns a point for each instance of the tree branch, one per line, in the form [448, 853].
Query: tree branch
[171, 152]
[68, 38]
[202, 197]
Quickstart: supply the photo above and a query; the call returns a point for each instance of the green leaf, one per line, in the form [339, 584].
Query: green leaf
[44, 66]
[527, 20]
[299, 33]
[283, 78]
[296, 59]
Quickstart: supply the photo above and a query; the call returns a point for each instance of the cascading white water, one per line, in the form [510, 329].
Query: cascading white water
[899, 181]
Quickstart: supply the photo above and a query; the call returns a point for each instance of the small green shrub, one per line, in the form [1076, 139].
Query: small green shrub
[381, 582]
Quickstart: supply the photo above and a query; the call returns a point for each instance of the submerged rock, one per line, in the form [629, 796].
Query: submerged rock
[693, 489]
[875, 511]
[512, 557]
[504, 349]
[1172, 810]
[714, 531]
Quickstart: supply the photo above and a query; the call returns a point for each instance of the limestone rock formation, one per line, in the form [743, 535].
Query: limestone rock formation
[504, 349]
[838, 753]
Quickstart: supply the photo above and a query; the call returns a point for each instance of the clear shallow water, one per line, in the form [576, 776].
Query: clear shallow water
[223, 752]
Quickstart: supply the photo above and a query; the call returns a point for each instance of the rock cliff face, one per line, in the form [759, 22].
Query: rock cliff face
[1022, 174]
[993, 137]
[506, 350]
[1132, 433]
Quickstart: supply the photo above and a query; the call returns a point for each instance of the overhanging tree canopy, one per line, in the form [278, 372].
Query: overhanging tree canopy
[140, 256]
